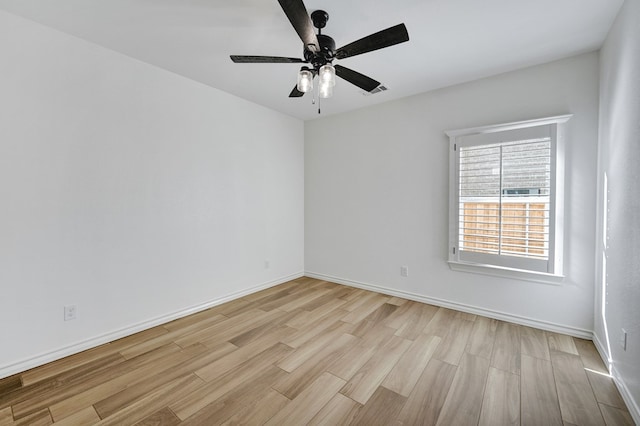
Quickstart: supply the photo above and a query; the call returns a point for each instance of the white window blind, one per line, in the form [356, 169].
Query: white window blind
[506, 196]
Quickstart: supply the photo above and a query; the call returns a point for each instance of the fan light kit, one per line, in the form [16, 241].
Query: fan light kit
[319, 51]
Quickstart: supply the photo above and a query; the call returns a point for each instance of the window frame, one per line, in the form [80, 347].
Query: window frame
[504, 265]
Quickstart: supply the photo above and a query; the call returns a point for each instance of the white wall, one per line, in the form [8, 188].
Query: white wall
[376, 193]
[131, 192]
[619, 160]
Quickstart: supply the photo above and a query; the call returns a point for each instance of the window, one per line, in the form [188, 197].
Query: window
[506, 191]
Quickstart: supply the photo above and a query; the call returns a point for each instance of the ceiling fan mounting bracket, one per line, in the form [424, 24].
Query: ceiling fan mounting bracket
[319, 18]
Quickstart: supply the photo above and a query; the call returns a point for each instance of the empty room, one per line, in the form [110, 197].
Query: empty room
[288, 212]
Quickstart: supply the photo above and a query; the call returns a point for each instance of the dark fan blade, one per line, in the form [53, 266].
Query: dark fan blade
[245, 59]
[379, 40]
[297, 14]
[295, 93]
[353, 77]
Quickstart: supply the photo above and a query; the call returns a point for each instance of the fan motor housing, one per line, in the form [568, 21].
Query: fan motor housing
[326, 53]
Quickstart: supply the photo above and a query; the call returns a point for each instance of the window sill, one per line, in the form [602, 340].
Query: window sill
[498, 271]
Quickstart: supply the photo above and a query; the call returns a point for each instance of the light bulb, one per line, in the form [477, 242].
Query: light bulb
[326, 90]
[305, 81]
[327, 75]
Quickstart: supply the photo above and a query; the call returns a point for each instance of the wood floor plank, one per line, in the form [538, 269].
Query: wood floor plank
[91, 396]
[577, 402]
[231, 331]
[10, 384]
[301, 301]
[227, 328]
[247, 393]
[39, 418]
[425, 402]
[71, 362]
[260, 412]
[615, 416]
[466, 316]
[163, 417]
[561, 343]
[590, 356]
[375, 335]
[134, 339]
[381, 313]
[364, 298]
[340, 410]
[154, 401]
[188, 404]
[36, 396]
[398, 317]
[307, 350]
[506, 349]
[381, 409]
[267, 294]
[404, 376]
[534, 343]
[62, 394]
[331, 309]
[539, 400]
[416, 324]
[604, 389]
[196, 318]
[88, 416]
[293, 296]
[300, 378]
[454, 343]
[397, 301]
[234, 358]
[166, 338]
[464, 400]
[349, 363]
[364, 328]
[365, 382]
[136, 391]
[333, 294]
[439, 324]
[362, 311]
[482, 337]
[416, 320]
[319, 327]
[501, 403]
[306, 405]
[252, 301]
[355, 293]
[6, 417]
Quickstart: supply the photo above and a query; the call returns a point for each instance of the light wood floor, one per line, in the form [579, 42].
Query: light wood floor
[313, 352]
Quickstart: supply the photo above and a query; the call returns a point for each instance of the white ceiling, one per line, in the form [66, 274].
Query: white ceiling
[451, 41]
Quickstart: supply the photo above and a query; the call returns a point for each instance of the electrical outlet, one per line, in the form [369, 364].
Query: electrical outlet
[267, 264]
[404, 271]
[623, 339]
[70, 312]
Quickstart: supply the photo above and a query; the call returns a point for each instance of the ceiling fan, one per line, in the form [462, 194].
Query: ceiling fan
[320, 50]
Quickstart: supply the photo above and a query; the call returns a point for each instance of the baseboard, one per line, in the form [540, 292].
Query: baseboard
[530, 322]
[38, 360]
[632, 405]
[602, 351]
